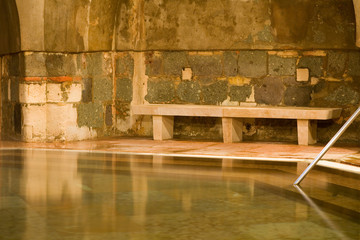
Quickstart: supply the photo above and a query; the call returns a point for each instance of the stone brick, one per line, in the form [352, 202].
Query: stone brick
[174, 62]
[108, 115]
[344, 95]
[186, 74]
[160, 91]
[55, 65]
[189, 91]
[124, 89]
[125, 65]
[32, 93]
[354, 63]
[102, 88]
[230, 64]
[34, 65]
[72, 92]
[14, 89]
[297, 96]
[65, 92]
[57, 122]
[154, 64]
[215, 93]
[97, 64]
[279, 66]
[269, 91]
[60, 65]
[336, 64]
[86, 95]
[34, 122]
[17, 118]
[14, 65]
[302, 74]
[206, 65]
[240, 93]
[252, 63]
[90, 115]
[314, 64]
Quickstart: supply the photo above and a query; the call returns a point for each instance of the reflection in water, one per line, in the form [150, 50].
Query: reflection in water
[51, 176]
[67, 195]
[321, 213]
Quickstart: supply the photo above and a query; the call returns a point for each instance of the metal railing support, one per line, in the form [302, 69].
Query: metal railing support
[328, 146]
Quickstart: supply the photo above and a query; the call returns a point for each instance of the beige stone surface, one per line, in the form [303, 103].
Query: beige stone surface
[302, 74]
[32, 93]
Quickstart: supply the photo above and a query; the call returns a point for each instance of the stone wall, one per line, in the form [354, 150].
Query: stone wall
[75, 75]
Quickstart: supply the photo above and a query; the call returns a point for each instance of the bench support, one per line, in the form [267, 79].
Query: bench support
[163, 127]
[306, 131]
[232, 129]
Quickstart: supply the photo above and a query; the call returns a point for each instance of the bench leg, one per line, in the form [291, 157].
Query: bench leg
[232, 129]
[163, 127]
[306, 131]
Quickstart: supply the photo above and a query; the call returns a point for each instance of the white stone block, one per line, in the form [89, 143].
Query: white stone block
[59, 118]
[32, 93]
[53, 92]
[69, 93]
[186, 74]
[74, 93]
[34, 123]
[302, 74]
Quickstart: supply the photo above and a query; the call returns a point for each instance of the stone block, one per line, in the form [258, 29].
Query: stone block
[315, 64]
[57, 122]
[65, 92]
[86, 95]
[186, 74]
[206, 65]
[90, 115]
[153, 62]
[34, 65]
[343, 95]
[14, 65]
[252, 63]
[240, 93]
[269, 91]
[188, 91]
[97, 64]
[102, 88]
[32, 93]
[281, 66]
[124, 65]
[124, 89]
[336, 63]
[14, 89]
[108, 115]
[354, 64]
[215, 93]
[230, 64]
[160, 91]
[302, 74]
[174, 62]
[59, 64]
[297, 96]
[72, 92]
[34, 122]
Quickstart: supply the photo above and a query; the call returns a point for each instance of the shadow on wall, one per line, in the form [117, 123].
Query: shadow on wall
[9, 27]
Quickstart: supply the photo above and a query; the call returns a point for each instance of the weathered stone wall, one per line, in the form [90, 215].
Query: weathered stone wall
[81, 64]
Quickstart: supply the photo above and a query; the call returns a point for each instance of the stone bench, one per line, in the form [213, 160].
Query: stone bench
[163, 118]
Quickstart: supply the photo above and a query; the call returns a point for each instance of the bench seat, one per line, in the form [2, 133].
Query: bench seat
[163, 118]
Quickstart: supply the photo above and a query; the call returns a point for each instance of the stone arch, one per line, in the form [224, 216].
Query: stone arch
[9, 27]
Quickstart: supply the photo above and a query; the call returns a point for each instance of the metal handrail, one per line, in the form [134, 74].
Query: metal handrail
[328, 146]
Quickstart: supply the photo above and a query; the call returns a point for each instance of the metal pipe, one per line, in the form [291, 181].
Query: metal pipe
[328, 146]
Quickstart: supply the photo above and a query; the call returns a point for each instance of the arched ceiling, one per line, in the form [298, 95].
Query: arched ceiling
[9, 27]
